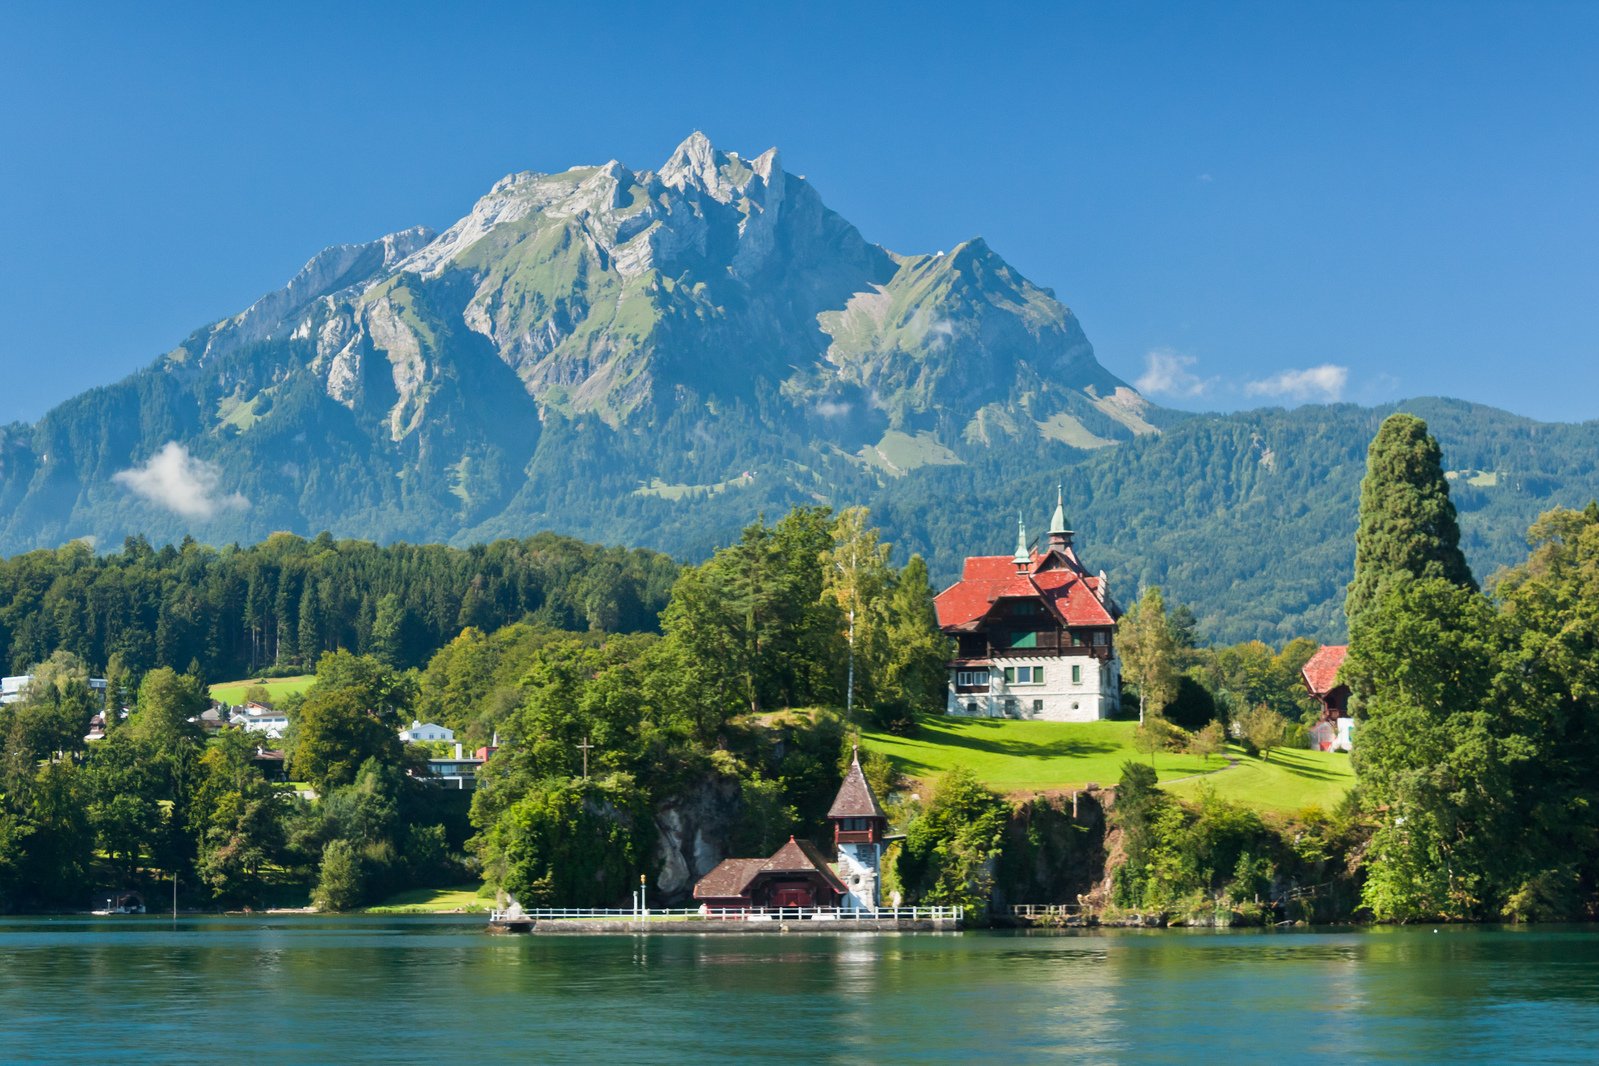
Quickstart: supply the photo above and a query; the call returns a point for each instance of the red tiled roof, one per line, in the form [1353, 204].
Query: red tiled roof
[1321, 672]
[1072, 595]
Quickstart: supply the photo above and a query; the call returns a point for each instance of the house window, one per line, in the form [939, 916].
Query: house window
[1024, 675]
[1077, 675]
[971, 707]
[1038, 706]
[1101, 638]
[971, 677]
[1010, 708]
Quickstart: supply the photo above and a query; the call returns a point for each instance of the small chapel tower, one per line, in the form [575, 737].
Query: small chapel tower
[858, 828]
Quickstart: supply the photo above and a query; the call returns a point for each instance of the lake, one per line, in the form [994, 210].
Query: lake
[345, 990]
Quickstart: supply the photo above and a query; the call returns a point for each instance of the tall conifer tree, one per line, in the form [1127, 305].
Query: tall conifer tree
[1408, 527]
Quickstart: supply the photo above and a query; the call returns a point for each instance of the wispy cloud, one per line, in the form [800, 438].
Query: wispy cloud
[1325, 382]
[1169, 373]
[834, 408]
[183, 484]
[1204, 179]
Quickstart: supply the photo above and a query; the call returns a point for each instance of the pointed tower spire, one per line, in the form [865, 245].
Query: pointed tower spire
[1060, 537]
[1023, 557]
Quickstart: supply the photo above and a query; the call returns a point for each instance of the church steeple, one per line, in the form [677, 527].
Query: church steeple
[1060, 538]
[1023, 558]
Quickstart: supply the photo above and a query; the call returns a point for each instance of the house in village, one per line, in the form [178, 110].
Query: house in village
[1034, 634]
[259, 718]
[426, 731]
[1334, 728]
[458, 771]
[15, 687]
[799, 875]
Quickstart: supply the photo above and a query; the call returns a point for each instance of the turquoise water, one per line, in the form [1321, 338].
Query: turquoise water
[318, 990]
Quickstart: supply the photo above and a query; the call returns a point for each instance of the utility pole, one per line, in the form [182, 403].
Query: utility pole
[585, 746]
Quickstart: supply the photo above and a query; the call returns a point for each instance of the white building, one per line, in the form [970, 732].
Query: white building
[261, 719]
[15, 687]
[426, 731]
[1034, 633]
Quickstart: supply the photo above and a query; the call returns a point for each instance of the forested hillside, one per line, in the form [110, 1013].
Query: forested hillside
[656, 358]
[1248, 518]
[284, 602]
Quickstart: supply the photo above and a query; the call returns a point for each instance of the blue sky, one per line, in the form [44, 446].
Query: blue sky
[1244, 204]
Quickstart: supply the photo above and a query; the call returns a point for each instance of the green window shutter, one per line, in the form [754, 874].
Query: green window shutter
[1077, 675]
[1038, 675]
[1010, 675]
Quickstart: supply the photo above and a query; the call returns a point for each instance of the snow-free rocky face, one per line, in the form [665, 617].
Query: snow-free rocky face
[712, 322]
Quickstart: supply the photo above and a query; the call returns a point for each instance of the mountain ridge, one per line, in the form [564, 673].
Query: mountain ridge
[656, 357]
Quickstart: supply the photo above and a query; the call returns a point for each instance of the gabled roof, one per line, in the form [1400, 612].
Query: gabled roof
[729, 880]
[855, 799]
[1056, 578]
[800, 857]
[1321, 672]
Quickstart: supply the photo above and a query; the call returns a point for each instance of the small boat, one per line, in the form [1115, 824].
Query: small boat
[126, 903]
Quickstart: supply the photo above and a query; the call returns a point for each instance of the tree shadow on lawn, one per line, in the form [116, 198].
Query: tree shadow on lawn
[1306, 770]
[1052, 749]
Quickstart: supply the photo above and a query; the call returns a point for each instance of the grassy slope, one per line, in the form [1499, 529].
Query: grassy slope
[1290, 781]
[1026, 757]
[232, 692]
[456, 900]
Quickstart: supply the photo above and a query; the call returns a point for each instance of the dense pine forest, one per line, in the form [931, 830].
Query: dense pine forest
[279, 605]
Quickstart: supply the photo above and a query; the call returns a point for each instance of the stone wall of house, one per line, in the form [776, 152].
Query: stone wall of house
[1093, 694]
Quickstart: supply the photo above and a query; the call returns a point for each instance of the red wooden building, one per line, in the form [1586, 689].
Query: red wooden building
[798, 874]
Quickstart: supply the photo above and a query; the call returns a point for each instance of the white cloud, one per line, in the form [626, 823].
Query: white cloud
[1167, 373]
[1325, 382]
[176, 480]
[834, 408]
[1204, 179]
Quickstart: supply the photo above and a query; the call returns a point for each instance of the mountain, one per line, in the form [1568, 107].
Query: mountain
[656, 357]
[576, 342]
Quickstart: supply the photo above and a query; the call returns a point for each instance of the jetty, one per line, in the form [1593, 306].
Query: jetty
[759, 921]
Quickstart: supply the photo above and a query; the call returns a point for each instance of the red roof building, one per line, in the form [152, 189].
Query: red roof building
[1332, 732]
[1034, 634]
[798, 874]
[1321, 678]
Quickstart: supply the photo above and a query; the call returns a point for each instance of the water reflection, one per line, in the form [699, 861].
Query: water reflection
[363, 990]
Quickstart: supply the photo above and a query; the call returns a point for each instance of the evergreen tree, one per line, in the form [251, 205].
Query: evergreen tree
[1408, 527]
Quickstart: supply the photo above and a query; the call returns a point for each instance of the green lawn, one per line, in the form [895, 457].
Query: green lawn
[232, 692]
[1290, 781]
[1014, 756]
[1027, 757]
[454, 900]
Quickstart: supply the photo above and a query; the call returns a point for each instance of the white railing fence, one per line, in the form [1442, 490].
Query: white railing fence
[790, 914]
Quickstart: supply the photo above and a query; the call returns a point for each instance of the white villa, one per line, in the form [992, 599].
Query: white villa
[1034, 633]
[426, 731]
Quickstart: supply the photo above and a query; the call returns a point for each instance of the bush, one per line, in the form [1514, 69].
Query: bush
[342, 880]
[896, 716]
